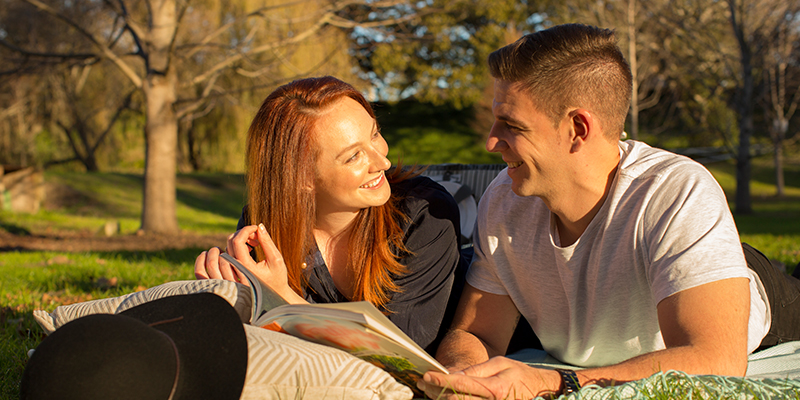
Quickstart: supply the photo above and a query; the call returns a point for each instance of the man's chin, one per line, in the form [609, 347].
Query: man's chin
[519, 191]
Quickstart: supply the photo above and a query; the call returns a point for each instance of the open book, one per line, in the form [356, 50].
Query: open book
[355, 327]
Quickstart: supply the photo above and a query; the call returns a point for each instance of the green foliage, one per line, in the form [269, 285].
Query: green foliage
[440, 58]
[420, 133]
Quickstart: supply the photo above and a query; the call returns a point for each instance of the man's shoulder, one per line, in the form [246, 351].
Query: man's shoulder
[641, 161]
[500, 187]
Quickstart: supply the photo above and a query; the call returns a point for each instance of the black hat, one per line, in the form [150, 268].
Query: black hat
[179, 347]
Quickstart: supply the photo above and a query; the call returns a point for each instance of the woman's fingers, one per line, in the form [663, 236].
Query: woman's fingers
[200, 266]
[206, 266]
[238, 244]
[271, 253]
[226, 270]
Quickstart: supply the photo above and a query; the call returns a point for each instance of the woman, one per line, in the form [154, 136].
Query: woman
[340, 227]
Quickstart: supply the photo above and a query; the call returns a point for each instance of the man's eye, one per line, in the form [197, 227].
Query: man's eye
[353, 157]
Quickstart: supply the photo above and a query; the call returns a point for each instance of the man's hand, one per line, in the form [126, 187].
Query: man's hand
[499, 378]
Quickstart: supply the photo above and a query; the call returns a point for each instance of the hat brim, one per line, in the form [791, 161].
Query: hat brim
[210, 339]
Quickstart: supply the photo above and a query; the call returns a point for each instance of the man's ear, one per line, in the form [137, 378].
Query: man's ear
[583, 126]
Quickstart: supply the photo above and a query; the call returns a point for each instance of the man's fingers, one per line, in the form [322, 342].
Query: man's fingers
[453, 386]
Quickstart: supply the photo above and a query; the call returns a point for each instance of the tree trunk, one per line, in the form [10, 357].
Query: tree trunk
[161, 141]
[161, 128]
[745, 106]
[634, 69]
[778, 154]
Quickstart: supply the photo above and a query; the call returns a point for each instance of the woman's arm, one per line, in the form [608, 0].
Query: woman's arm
[423, 309]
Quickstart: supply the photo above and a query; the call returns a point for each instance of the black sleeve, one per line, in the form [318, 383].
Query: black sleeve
[433, 238]
[242, 219]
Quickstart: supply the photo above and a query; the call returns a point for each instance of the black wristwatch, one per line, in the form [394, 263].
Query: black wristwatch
[569, 381]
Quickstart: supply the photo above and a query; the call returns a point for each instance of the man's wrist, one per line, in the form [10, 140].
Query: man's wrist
[569, 381]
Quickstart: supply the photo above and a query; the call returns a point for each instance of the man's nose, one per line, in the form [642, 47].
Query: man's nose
[494, 143]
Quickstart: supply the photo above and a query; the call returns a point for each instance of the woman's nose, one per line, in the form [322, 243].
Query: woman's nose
[381, 162]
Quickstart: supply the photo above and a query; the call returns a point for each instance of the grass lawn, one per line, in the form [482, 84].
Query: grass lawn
[211, 204]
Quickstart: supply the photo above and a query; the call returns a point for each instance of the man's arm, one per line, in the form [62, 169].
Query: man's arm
[481, 329]
[704, 329]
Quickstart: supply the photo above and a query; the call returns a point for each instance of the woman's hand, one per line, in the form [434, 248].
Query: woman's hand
[209, 265]
[272, 270]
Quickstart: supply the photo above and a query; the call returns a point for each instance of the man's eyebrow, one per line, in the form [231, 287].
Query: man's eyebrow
[509, 120]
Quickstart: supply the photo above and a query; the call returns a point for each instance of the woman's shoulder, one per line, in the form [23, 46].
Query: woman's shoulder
[421, 192]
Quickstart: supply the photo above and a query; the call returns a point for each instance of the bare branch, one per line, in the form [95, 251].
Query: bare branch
[105, 50]
[122, 107]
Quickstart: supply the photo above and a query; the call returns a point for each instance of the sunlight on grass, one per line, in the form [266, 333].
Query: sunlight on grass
[45, 280]
[774, 227]
[80, 202]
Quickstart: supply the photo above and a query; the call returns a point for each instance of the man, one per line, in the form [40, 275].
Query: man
[625, 259]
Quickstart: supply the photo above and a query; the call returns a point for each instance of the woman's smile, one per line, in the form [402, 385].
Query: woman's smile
[373, 183]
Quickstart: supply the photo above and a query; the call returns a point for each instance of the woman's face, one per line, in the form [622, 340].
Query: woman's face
[351, 160]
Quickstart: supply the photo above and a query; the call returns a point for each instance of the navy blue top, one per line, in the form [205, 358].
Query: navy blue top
[424, 307]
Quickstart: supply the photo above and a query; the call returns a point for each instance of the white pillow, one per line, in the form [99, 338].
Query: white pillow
[279, 366]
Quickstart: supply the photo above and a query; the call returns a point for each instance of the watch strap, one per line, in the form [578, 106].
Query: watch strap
[569, 381]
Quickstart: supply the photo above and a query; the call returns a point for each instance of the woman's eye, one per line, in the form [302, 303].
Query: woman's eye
[377, 134]
[353, 157]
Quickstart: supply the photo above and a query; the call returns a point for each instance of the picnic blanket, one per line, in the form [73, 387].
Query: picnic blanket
[773, 373]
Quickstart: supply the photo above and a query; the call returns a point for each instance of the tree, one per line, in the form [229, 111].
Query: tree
[440, 58]
[85, 117]
[779, 81]
[755, 24]
[646, 44]
[181, 54]
[721, 48]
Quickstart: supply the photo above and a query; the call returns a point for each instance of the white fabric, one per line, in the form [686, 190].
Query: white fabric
[665, 227]
[781, 361]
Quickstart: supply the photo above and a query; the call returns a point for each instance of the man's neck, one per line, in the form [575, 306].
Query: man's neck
[576, 207]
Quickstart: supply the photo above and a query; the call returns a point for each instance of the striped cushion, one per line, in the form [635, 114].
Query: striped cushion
[279, 366]
[236, 294]
[284, 367]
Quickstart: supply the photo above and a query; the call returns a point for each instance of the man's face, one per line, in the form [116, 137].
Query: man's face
[535, 151]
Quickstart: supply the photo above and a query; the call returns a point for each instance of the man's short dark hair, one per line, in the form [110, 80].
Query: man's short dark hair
[570, 66]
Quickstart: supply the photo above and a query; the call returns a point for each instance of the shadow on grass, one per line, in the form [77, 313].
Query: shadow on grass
[221, 194]
[14, 229]
[772, 215]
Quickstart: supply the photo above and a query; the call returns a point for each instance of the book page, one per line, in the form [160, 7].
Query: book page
[263, 297]
[402, 363]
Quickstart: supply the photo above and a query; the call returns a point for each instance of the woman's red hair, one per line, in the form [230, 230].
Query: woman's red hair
[281, 159]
